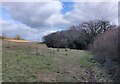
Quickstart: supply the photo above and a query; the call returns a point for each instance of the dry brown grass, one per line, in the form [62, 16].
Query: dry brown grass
[18, 41]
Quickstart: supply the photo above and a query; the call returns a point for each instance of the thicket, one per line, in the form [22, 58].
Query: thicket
[106, 51]
[78, 37]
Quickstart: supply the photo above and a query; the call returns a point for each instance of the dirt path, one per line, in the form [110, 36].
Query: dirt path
[69, 69]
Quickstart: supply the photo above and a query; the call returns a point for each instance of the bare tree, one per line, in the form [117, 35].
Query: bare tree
[96, 27]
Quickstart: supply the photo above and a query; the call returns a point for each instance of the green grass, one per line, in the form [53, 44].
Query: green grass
[21, 64]
[86, 60]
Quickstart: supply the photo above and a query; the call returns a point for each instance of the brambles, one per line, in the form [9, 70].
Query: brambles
[105, 47]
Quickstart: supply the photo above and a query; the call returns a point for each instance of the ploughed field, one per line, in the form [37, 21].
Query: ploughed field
[33, 62]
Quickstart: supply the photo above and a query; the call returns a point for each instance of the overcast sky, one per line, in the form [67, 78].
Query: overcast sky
[33, 20]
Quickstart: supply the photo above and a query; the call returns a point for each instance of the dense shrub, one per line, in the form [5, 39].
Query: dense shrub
[105, 47]
[78, 37]
[72, 38]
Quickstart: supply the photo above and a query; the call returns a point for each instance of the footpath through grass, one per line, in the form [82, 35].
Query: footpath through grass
[22, 65]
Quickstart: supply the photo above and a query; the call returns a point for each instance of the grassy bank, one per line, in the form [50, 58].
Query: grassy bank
[35, 62]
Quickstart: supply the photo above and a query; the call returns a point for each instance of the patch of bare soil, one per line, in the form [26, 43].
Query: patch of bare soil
[48, 77]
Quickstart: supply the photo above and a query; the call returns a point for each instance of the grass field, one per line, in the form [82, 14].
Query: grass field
[30, 62]
[18, 41]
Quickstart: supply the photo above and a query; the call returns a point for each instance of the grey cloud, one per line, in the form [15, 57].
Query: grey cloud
[34, 14]
[84, 11]
[12, 29]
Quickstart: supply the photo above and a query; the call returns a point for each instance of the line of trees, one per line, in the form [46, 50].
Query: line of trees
[78, 37]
